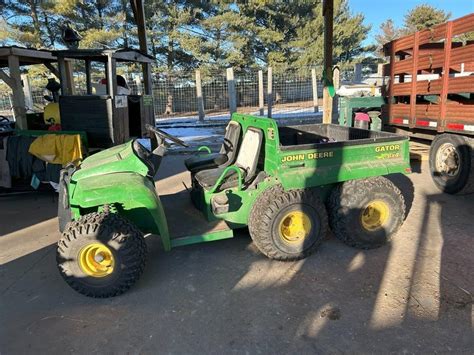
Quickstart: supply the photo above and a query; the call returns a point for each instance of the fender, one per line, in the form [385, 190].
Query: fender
[133, 195]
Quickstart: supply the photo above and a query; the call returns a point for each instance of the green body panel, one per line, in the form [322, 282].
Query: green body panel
[209, 237]
[132, 195]
[315, 168]
[117, 177]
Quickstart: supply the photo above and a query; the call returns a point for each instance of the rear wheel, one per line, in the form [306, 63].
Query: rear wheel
[366, 213]
[288, 225]
[452, 164]
[101, 255]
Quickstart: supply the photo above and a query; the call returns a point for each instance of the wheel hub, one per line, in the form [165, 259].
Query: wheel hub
[96, 260]
[295, 227]
[447, 160]
[375, 215]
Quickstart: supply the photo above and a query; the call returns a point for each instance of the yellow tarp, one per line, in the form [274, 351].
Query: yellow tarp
[57, 148]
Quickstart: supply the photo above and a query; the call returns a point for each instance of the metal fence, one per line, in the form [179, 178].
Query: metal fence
[292, 93]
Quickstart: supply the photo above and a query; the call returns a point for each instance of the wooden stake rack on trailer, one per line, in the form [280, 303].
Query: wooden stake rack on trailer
[432, 78]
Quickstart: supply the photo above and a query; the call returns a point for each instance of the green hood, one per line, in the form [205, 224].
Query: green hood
[117, 159]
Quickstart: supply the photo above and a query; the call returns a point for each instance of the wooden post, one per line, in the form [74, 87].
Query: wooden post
[357, 73]
[314, 85]
[88, 77]
[62, 76]
[231, 91]
[27, 91]
[200, 99]
[414, 75]
[111, 76]
[148, 80]
[443, 97]
[261, 101]
[328, 13]
[269, 92]
[70, 77]
[335, 99]
[18, 95]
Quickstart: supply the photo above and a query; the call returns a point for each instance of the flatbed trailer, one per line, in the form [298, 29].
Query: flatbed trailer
[429, 94]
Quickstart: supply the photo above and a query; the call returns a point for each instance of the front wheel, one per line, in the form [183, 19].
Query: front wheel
[101, 255]
[452, 164]
[366, 213]
[288, 225]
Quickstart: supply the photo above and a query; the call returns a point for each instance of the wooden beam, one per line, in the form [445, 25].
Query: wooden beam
[328, 13]
[52, 69]
[9, 81]
[139, 15]
[18, 96]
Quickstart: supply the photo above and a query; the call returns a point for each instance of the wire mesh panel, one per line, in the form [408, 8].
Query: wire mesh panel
[6, 104]
[293, 93]
[174, 95]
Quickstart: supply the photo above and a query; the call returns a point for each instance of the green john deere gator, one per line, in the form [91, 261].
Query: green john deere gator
[288, 185]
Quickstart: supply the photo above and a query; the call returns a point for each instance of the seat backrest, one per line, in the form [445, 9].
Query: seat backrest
[249, 151]
[232, 134]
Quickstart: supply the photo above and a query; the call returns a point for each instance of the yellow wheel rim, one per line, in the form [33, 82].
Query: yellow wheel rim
[375, 215]
[295, 226]
[96, 260]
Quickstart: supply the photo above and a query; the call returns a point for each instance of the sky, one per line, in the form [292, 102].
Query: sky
[377, 11]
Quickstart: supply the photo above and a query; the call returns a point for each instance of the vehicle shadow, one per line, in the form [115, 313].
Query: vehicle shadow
[22, 210]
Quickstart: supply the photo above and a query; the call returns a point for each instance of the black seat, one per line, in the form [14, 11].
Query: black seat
[225, 156]
[246, 162]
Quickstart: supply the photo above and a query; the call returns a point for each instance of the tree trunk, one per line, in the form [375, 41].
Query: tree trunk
[169, 78]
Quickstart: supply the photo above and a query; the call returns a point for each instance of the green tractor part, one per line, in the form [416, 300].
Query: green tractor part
[288, 185]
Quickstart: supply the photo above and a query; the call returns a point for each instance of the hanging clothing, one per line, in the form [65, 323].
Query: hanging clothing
[58, 148]
[19, 160]
[5, 178]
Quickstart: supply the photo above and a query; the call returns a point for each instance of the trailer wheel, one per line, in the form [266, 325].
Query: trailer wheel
[288, 225]
[452, 164]
[101, 255]
[366, 213]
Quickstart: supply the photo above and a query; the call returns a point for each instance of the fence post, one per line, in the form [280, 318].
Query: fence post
[27, 91]
[231, 90]
[315, 90]
[380, 76]
[335, 100]
[200, 99]
[269, 92]
[357, 73]
[261, 101]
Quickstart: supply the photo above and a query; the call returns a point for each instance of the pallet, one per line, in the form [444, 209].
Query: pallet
[419, 151]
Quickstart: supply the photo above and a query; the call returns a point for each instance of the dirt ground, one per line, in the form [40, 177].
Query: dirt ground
[412, 296]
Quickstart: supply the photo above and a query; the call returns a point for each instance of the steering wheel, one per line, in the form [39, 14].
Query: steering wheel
[167, 136]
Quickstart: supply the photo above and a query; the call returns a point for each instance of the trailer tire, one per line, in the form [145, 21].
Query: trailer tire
[101, 254]
[288, 225]
[456, 150]
[366, 213]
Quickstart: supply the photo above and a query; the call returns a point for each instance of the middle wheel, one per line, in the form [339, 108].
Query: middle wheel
[288, 225]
